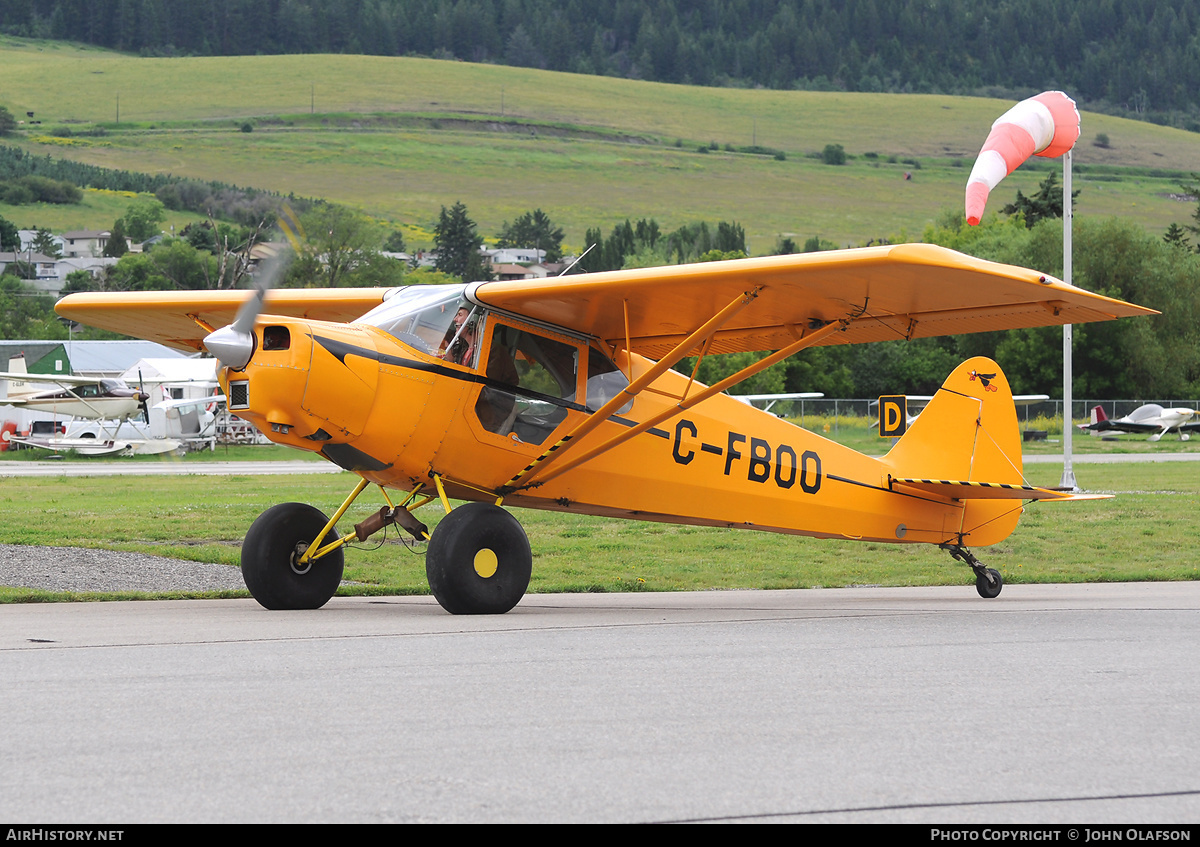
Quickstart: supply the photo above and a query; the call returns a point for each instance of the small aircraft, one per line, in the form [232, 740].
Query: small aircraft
[75, 396]
[558, 394]
[772, 399]
[1150, 418]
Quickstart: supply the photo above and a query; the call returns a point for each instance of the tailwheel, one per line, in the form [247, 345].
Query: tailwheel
[478, 561]
[989, 583]
[271, 565]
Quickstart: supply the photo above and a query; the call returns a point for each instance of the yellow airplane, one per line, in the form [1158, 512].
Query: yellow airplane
[558, 394]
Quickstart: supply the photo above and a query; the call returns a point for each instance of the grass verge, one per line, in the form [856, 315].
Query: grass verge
[1136, 536]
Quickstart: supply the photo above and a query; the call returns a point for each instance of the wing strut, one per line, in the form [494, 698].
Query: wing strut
[699, 336]
[684, 404]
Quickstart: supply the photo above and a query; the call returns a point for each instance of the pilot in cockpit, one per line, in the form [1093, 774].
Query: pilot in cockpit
[458, 346]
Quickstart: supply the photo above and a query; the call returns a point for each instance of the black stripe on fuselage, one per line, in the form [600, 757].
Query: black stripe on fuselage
[341, 349]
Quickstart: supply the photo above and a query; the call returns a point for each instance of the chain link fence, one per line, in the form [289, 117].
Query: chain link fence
[1046, 414]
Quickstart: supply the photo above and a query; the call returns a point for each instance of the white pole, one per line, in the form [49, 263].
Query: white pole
[1068, 475]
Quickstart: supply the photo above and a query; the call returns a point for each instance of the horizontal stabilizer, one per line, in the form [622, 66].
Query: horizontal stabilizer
[966, 490]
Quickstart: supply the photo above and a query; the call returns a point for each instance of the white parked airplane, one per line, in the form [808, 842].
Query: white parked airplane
[101, 400]
[74, 396]
[1150, 418]
[772, 399]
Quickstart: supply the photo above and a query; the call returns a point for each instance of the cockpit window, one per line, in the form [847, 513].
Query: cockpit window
[605, 381]
[422, 316]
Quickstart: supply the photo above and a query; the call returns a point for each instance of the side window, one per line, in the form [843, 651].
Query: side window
[604, 382]
[542, 373]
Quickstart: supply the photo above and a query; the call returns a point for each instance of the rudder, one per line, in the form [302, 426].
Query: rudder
[966, 446]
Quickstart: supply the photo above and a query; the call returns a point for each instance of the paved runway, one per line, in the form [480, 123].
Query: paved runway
[1049, 704]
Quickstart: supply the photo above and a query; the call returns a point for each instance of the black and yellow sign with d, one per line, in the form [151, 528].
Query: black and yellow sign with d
[893, 415]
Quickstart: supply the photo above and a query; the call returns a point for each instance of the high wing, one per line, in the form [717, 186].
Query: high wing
[64, 381]
[876, 293]
[181, 319]
[882, 293]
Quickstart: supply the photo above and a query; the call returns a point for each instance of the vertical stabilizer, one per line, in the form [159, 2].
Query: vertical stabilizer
[16, 387]
[968, 434]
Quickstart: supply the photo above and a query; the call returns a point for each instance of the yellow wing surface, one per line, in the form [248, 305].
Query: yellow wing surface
[879, 293]
[892, 292]
[181, 319]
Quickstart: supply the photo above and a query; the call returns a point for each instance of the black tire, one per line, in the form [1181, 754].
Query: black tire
[486, 532]
[273, 543]
[989, 589]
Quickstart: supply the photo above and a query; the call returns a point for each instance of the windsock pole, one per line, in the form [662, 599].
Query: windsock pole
[1046, 125]
[1068, 212]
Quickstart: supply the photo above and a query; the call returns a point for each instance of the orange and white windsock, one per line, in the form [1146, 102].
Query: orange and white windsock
[1046, 125]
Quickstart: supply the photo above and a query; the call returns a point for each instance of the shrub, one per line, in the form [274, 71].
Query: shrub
[833, 154]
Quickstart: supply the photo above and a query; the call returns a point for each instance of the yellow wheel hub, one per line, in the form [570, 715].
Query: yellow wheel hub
[486, 563]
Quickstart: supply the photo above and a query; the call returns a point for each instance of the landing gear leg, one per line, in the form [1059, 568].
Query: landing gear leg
[988, 581]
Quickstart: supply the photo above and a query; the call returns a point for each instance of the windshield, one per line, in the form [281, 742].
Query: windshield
[422, 316]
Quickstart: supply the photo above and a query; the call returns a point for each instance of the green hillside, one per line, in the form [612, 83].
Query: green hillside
[401, 137]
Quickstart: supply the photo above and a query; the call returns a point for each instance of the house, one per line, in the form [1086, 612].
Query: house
[514, 255]
[84, 243]
[93, 265]
[43, 265]
[29, 236]
[506, 271]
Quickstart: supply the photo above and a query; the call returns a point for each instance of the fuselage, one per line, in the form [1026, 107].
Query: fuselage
[389, 405]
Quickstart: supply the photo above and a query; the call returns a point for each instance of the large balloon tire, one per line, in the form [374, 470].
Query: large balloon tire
[479, 561]
[270, 554]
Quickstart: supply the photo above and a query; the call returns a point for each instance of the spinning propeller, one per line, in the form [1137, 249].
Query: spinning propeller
[233, 345]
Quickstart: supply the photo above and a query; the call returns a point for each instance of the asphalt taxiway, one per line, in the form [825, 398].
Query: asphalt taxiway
[1051, 703]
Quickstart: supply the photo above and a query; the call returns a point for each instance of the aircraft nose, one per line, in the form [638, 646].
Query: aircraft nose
[231, 346]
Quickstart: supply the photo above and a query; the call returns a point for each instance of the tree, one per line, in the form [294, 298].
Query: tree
[1177, 236]
[142, 218]
[833, 154]
[533, 230]
[20, 269]
[394, 243]
[458, 243]
[1192, 189]
[10, 238]
[117, 246]
[7, 122]
[1047, 203]
[25, 314]
[337, 243]
[44, 243]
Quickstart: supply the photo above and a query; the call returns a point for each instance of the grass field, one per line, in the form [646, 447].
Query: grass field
[399, 138]
[1141, 534]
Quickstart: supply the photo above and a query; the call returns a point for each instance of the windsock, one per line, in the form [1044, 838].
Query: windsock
[1046, 125]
